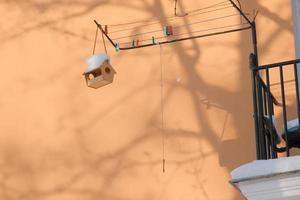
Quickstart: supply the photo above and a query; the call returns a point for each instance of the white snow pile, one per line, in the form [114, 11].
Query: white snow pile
[292, 125]
[261, 168]
[95, 61]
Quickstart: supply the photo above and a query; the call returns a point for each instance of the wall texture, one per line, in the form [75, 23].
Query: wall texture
[62, 140]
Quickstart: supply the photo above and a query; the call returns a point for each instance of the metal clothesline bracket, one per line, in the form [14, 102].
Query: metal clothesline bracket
[237, 7]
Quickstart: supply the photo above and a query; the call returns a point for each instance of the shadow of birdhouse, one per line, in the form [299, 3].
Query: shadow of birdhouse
[99, 72]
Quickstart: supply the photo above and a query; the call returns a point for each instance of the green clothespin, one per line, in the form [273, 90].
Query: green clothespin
[153, 40]
[117, 47]
[166, 30]
[133, 43]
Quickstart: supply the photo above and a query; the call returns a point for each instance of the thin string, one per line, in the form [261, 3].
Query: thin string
[95, 42]
[104, 42]
[162, 110]
[192, 11]
[179, 26]
[203, 30]
[210, 29]
[171, 19]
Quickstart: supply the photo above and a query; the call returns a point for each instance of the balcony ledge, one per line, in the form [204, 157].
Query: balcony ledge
[269, 179]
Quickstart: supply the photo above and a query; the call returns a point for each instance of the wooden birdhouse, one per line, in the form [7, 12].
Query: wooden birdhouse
[99, 71]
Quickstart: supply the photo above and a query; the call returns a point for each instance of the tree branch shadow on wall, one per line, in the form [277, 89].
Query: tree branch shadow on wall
[94, 163]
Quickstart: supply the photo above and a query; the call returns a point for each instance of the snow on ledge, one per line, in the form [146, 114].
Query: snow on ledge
[261, 168]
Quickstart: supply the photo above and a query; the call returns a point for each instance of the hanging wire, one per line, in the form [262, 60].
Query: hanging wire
[203, 30]
[210, 29]
[193, 23]
[175, 8]
[211, 6]
[217, 9]
[147, 25]
[169, 17]
[172, 18]
[95, 42]
[175, 11]
[162, 109]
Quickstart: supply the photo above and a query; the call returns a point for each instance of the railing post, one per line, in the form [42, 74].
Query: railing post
[257, 99]
[252, 62]
[271, 115]
[260, 104]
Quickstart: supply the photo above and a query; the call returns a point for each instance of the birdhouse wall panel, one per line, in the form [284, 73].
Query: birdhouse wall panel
[98, 82]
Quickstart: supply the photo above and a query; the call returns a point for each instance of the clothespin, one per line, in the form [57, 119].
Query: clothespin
[117, 47]
[137, 42]
[153, 40]
[106, 29]
[166, 30]
[171, 30]
[133, 43]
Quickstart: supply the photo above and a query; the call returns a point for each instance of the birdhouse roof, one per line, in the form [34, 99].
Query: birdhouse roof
[95, 61]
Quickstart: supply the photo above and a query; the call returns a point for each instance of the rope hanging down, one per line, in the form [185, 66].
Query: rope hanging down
[162, 109]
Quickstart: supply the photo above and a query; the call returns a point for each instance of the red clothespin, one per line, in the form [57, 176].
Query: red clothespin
[168, 30]
[171, 30]
[137, 42]
[106, 29]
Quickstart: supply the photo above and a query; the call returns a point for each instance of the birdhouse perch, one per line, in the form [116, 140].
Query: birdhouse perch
[99, 71]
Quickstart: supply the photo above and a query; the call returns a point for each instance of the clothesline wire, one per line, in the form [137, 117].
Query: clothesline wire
[215, 5]
[136, 27]
[216, 28]
[153, 19]
[203, 30]
[176, 27]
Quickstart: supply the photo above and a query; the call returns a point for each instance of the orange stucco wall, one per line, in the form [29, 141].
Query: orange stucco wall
[62, 140]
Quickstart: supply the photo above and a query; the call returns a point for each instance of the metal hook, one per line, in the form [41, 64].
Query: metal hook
[175, 11]
[255, 13]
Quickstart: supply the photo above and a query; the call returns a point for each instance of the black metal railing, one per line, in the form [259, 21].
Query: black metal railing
[267, 136]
